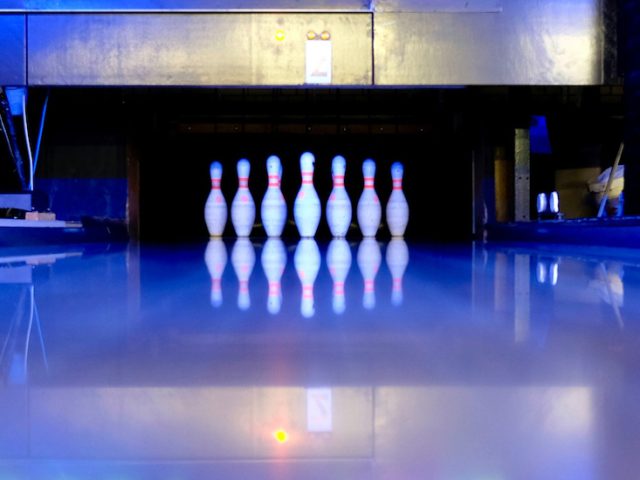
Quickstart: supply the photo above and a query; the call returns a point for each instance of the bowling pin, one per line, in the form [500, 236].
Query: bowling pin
[541, 204]
[215, 257]
[274, 208]
[306, 208]
[243, 258]
[397, 260]
[369, 211]
[307, 263]
[554, 203]
[215, 209]
[397, 207]
[338, 205]
[243, 208]
[274, 261]
[339, 263]
[369, 259]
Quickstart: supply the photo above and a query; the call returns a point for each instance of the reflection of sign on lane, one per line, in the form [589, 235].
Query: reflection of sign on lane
[319, 410]
[318, 62]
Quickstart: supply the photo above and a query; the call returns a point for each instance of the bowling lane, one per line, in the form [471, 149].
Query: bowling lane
[265, 359]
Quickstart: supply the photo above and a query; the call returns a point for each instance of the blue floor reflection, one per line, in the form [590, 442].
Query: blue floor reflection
[241, 359]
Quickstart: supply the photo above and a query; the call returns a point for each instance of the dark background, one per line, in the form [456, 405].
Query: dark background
[95, 138]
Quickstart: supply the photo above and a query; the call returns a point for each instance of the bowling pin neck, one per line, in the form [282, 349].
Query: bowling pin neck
[307, 178]
[243, 182]
[368, 183]
[243, 168]
[274, 181]
[397, 183]
[338, 180]
[215, 183]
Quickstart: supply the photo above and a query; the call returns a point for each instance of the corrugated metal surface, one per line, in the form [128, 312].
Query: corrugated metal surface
[528, 42]
[49, 6]
[416, 42]
[436, 5]
[12, 50]
[192, 49]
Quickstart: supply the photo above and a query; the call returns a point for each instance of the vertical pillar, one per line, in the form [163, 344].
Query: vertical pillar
[502, 178]
[522, 175]
[631, 58]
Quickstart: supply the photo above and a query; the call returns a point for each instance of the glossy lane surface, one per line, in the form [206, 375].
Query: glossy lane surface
[343, 360]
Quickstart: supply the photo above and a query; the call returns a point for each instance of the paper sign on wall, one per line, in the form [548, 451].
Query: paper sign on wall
[319, 410]
[318, 62]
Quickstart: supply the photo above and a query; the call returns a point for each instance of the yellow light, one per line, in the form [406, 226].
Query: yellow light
[311, 35]
[325, 35]
[279, 35]
[281, 436]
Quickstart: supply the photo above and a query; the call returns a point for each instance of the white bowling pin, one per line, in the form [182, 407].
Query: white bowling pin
[369, 210]
[215, 209]
[307, 263]
[554, 202]
[397, 207]
[273, 211]
[338, 205]
[397, 260]
[369, 258]
[306, 208]
[215, 256]
[243, 208]
[243, 258]
[541, 203]
[274, 261]
[339, 263]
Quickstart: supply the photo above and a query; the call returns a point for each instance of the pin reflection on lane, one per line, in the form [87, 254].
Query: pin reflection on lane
[339, 263]
[215, 256]
[369, 259]
[243, 258]
[274, 261]
[547, 270]
[307, 260]
[307, 263]
[397, 260]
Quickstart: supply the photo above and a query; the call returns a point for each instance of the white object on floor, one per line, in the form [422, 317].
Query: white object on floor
[215, 209]
[243, 208]
[369, 211]
[306, 208]
[338, 206]
[273, 210]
